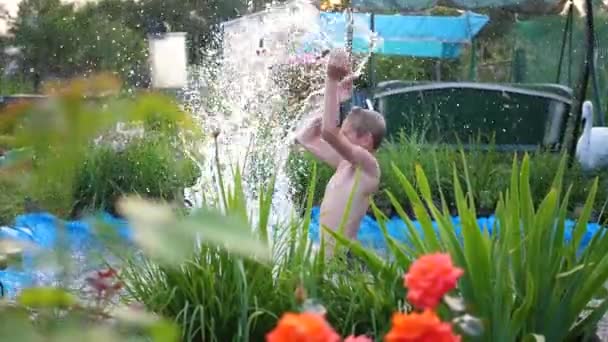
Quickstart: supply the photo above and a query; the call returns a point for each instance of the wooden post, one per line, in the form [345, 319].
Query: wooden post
[599, 114]
[581, 87]
[438, 70]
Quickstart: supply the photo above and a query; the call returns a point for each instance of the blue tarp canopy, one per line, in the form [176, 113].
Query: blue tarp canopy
[535, 7]
[401, 35]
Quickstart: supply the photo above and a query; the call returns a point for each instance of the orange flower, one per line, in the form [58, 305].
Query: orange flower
[361, 338]
[302, 327]
[429, 279]
[420, 327]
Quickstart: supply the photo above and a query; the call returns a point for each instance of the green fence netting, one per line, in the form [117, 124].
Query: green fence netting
[515, 119]
[541, 41]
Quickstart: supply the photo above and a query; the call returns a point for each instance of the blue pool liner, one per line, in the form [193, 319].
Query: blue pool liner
[80, 240]
[370, 234]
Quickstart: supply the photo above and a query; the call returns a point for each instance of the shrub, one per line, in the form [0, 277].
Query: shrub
[58, 136]
[11, 203]
[430, 279]
[523, 277]
[219, 296]
[512, 281]
[67, 173]
[147, 166]
[52, 33]
[152, 166]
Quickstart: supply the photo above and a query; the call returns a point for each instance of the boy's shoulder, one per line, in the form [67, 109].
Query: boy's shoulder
[371, 173]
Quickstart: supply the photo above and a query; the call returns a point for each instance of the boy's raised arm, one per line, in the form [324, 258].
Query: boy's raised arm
[338, 69]
[309, 136]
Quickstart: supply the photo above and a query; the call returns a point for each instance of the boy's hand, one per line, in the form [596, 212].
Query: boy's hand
[315, 125]
[338, 65]
[311, 128]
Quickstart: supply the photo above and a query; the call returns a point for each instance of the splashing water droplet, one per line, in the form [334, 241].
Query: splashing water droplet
[257, 92]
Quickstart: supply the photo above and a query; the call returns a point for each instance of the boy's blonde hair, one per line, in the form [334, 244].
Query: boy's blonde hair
[368, 121]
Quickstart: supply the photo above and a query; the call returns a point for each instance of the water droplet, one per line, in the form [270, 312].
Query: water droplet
[470, 325]
[454, 303]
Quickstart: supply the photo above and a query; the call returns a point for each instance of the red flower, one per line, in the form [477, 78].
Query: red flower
[362, 338]
[302, 327]
[104, 283]
[420, 327]
[109, 273]
[429, 279]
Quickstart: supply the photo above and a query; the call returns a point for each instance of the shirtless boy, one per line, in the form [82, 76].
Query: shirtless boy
[349, 149]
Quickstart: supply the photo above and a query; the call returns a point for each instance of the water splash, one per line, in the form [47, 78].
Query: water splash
[257, 92]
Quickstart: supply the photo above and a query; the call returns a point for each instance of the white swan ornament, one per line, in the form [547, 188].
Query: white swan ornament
[592, 146]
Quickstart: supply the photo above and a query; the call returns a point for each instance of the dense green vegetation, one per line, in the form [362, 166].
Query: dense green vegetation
[489, 170]
[218, 296]
[525, 280]
[90, 176]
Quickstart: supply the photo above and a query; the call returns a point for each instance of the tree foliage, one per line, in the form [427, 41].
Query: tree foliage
[58, 40]
[63, 40]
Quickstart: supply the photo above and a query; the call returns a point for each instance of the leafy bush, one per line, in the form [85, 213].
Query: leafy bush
[57, 134]
[12, 202]
[14, 85]
[68, 172]
[388, 68]
[430, 279]
[147, 166]
[60, 40]
[523, 277]
[219, 296]
[490, 169]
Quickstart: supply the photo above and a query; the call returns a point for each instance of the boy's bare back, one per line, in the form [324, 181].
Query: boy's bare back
[349, 149]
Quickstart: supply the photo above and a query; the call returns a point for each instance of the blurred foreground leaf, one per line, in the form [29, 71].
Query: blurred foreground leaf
[6, 141]
[157, 328]
[535, 338]
[15, 325]
[164, 238]
[11, 252]
[56, 131]
[11, 247]
[92, 334]
[46, 297]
